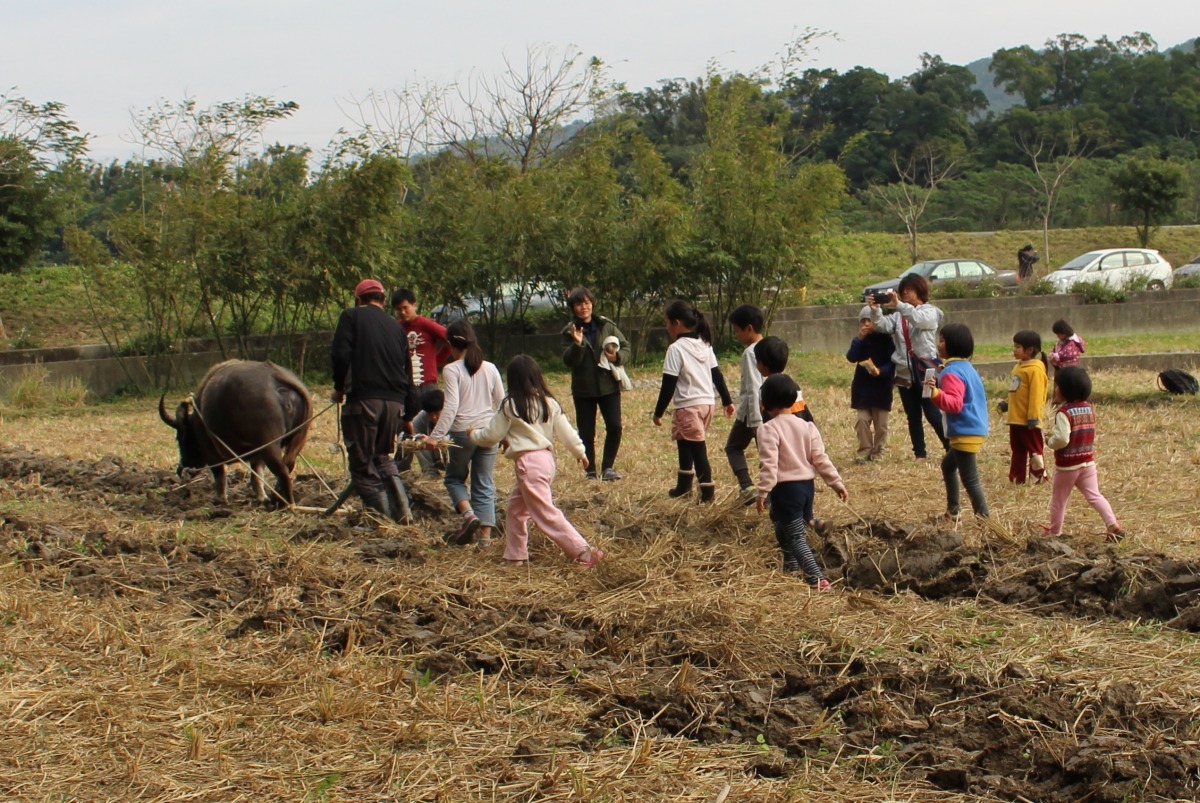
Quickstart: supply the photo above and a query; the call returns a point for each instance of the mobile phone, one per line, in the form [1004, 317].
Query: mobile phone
[926, 391]
[578, 322]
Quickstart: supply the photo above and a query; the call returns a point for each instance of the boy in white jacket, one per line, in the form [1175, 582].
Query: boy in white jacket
[530, 419]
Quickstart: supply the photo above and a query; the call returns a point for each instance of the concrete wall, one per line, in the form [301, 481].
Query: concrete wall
[994, 320]
[814, 328]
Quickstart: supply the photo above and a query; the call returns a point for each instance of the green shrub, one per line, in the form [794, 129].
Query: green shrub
[1099, 293]
[33, 390]
[22, 339]
[1187, 282]
[1136, 284]
[1042, 287]
[950, 289]
[837, 297]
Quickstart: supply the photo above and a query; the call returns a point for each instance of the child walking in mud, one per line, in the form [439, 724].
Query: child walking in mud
[958, 392]
[691, 377]
[473, 392]
[747, 322]
[1073, 441]
[530, 419]
[791, 454]
[1025, 404]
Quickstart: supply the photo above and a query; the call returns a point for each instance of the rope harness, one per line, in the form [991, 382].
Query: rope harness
[241, 458]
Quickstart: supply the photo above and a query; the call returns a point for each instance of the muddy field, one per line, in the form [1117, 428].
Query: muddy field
[157, 646]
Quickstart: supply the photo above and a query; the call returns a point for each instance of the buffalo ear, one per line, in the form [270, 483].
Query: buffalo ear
[162, 413]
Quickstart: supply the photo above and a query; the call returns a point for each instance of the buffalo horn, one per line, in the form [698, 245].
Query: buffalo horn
[162, 413]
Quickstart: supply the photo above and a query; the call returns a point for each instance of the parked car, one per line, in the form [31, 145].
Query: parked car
[1187, 269]
[529, 298]
[1115, 268]
[967, 271]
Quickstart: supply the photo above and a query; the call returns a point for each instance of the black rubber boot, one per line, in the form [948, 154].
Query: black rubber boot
[708, 492]
[380, 503]
[398, 497]
[683, 485]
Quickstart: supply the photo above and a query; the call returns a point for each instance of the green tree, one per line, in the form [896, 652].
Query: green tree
[40, 148]
[1148, 190]
[757, 216]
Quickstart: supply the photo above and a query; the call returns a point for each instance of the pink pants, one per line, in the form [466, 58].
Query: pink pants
[1085, 480]
[531, 499]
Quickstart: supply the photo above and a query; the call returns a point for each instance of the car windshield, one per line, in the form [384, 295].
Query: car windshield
[1082, 261]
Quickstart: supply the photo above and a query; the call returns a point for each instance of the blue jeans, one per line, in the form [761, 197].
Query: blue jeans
[479, 462]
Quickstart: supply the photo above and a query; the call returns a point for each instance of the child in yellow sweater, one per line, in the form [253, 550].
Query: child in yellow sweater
[1026, 402]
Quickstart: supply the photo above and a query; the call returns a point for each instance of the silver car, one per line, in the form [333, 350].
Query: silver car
[1115, 268]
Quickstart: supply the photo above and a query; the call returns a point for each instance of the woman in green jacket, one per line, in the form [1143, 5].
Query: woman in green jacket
[593, 386]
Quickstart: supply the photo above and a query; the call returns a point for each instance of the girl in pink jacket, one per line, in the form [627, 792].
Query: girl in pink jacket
[791, 454]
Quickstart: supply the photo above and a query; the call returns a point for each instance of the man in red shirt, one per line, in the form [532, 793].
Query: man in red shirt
[426, 340]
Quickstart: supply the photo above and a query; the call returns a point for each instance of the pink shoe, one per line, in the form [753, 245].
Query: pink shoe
[589, 557]
[823, 585]
[1046, 531]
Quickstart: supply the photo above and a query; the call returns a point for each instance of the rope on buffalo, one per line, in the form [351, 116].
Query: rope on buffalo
[240, 458]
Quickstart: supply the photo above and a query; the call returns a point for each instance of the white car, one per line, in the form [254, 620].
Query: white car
[1115, 268]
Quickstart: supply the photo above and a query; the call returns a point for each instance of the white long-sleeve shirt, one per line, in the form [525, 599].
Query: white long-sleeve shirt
[470, 400]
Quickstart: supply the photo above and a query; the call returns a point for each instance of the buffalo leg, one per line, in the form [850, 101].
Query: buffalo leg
[256, 480]
[218, 473]
[274, 461]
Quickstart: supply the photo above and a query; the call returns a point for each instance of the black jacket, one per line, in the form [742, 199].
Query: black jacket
[370, 352]
[872, 392]
[588, 379]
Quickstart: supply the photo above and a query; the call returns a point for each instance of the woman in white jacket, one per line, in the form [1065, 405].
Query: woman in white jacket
[530, 418]
[914, 330]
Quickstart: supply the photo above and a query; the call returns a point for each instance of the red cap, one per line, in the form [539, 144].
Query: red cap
[366, 287]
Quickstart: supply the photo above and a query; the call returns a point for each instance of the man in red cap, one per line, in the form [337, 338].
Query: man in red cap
[370, 354]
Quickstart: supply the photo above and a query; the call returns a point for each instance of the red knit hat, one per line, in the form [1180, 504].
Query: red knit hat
[366, 287]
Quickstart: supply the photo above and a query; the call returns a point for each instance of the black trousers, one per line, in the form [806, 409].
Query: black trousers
[914, 406]
[740, 438]
[369, 429]
[585, 418]
[958, 464]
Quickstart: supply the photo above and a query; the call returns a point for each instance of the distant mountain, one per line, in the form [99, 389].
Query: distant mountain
[1000, 101]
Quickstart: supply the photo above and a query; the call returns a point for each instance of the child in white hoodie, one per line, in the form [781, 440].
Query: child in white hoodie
[791, 454]
[530, 419]
[691, 377]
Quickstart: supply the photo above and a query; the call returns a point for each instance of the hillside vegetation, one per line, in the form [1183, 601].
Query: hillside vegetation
[51, 305]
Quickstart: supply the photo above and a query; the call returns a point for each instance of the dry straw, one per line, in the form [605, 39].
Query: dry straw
[156, 650]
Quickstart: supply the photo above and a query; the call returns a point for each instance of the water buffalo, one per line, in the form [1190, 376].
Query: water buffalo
[252, 408]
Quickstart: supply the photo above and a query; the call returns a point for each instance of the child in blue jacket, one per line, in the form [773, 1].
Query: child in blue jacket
[958, 393]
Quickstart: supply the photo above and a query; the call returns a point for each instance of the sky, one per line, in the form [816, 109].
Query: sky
[106, 60]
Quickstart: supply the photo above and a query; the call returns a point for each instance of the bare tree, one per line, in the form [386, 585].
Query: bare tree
[1053, 154]
[400, 122]
[927, 168]
[518, 114]
[226, 132]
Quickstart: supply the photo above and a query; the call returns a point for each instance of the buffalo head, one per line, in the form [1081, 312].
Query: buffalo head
[186, 425]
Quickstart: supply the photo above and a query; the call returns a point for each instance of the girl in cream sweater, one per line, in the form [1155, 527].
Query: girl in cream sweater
[530, 419]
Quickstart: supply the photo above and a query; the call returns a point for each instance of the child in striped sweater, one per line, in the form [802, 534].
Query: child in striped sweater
[1073, 442]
